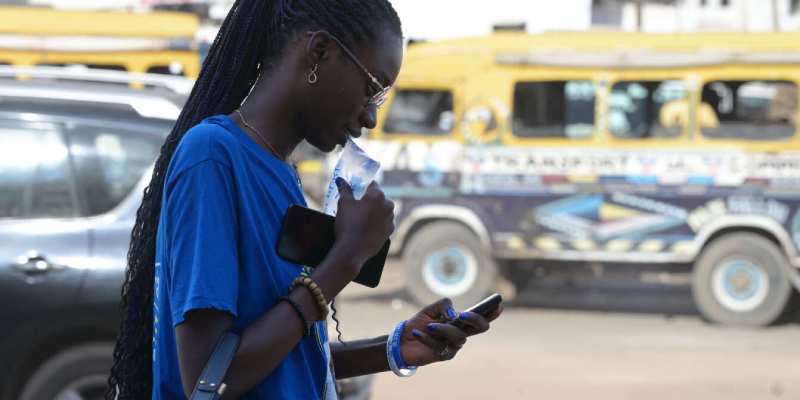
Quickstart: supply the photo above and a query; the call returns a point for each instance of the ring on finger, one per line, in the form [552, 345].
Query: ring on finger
[446, 352]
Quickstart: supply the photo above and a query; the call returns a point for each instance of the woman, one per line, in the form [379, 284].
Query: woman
[202, 258]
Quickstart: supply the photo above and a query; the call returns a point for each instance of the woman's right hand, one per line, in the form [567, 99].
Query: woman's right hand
[363, 226]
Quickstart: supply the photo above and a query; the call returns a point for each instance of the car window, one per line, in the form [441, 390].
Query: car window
[34, 174]
[648, 109]
[554, 109]
[750, 110]
[421, 112]
[109, 162]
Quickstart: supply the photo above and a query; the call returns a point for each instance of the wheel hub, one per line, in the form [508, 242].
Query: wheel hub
[740, 285]
[449, 268]
[450, 271]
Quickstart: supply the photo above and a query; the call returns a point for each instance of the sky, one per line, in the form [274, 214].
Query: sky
[439, 19]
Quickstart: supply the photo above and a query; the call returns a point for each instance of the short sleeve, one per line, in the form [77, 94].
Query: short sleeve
[201, 229]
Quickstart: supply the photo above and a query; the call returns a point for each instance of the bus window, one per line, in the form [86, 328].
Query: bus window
[561, 109]
[751, 110]
[648, 109]
[421, 112]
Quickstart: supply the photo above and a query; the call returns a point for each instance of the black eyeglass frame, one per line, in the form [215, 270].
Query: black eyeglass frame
[381, 92]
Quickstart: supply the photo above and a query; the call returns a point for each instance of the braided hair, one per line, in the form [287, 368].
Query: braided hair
[250, 41]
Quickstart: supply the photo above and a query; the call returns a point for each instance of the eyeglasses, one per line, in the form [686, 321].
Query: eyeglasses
[381, 93]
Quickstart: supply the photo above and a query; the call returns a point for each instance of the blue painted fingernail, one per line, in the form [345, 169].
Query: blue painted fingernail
[451, 313]
[416, 333]
[431, 327]
[464, 316]
[339, 181]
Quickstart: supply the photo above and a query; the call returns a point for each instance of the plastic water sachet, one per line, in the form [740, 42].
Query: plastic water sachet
[357, 169]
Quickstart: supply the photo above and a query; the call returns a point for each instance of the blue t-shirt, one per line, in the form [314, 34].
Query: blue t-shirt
[224, 202]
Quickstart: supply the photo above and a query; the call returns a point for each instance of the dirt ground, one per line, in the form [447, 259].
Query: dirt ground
[546, 348]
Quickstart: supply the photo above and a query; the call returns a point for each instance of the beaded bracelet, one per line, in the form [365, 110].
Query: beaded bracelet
[303, 319]
[393, 355]
[315, 290]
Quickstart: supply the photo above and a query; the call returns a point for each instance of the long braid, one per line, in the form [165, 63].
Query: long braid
[250, 40]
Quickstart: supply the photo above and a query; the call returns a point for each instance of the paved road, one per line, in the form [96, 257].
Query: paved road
[571, 353]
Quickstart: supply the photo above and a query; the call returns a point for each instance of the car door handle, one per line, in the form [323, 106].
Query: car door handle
[33, 263]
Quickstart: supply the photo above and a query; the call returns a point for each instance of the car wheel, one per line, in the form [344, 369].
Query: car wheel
[445, 259]
[77, 373]
[739, 279]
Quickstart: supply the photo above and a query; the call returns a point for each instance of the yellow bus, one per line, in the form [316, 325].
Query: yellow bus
[156, 42]
[600, 148]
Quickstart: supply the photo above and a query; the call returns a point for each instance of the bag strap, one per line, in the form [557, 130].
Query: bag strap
[210, 386]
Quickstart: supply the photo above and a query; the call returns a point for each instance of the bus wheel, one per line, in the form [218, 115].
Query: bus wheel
[739, 280]
[445, 259]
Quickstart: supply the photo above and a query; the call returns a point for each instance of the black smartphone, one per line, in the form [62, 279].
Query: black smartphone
[307, 236]
[485, 308]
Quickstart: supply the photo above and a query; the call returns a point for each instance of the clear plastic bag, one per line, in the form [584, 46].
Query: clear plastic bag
[357, 169]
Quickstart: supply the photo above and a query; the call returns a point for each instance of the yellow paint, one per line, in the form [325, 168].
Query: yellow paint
[515, 243]
[613, 211]
[584, 245]
[582, 178]
[651, 246]
[547, 243]
[54, 24]
[309, 166]
[469, 68]
[684, 247]
[619, 245]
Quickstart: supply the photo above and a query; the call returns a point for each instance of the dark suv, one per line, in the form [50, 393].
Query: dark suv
[74, 160]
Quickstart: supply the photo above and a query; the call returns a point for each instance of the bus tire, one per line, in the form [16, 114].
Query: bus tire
[445, 259]
[739, 279]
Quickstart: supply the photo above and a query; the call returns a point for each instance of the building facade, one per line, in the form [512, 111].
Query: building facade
[697, 15]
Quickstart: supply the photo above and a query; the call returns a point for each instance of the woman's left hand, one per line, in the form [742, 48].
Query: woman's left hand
[429, 338]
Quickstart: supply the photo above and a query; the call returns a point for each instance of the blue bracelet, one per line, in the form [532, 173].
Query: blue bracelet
[394, 356]
[396, 336]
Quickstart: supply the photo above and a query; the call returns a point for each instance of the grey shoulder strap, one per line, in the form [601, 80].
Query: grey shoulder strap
[210, 386]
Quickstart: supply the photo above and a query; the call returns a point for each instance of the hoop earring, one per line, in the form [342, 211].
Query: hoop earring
[312, 75]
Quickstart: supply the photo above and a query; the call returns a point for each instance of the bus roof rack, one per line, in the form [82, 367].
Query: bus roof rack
[642, 59]
[176, 84]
